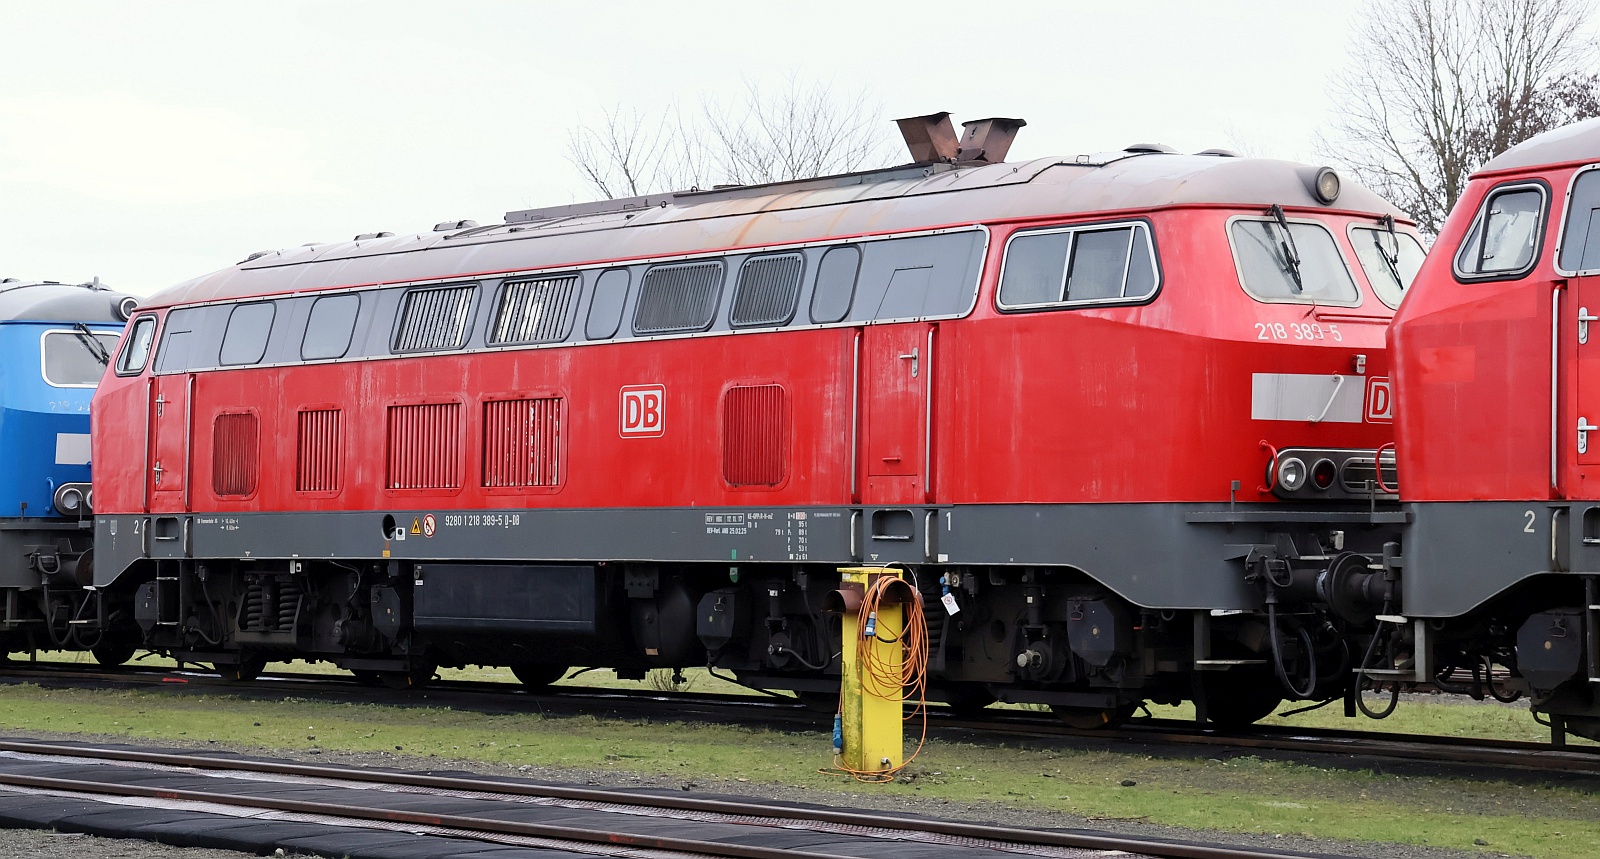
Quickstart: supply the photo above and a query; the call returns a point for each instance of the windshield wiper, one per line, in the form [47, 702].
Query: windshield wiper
[1291, 254]
[1392, 261]
[92, 343]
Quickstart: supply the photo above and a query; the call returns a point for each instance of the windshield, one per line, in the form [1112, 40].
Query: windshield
[1390, 259]
[76, 359]
[1300, 264]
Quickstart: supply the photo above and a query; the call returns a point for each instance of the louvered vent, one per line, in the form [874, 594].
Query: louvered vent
[522, 442]
[769, 288]
[316, 464]
[534, 311]
[432, 319]
[754, 429]
[424, 446]
[235, 454]
[677, 298]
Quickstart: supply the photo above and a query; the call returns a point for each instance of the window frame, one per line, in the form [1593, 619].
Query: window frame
[121, 367]
[1094, 226]
[1566, 213]
[265, 340]
[311, 314]
[739, 285]
[569, 317]
[720, 263]
[816, 280]
[1238, 264]
[1542, 227]
[1350, 235]
[44, 355]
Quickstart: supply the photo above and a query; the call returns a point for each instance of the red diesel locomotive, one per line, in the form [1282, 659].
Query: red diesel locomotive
[1498, 384]
[1117, 414]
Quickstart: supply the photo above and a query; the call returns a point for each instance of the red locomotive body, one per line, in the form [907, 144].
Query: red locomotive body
[1498, 386]
[1091, 400]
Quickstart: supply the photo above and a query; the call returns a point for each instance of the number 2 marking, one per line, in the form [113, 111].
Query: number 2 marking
[1528, 528]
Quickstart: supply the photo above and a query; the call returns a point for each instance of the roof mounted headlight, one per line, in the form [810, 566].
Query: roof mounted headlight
[1325, 187]
[1292, 473]
[126, 306]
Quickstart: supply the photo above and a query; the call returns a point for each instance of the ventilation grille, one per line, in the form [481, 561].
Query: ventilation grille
[522, 442]
[316, 465]
[754, 426]
[433, 319]
[769, 288]
[534, 311]
[235, 454]
[424, 446]
[677, 298]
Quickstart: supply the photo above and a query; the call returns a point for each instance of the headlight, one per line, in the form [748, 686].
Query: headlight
[1292, 473]
[73, 499]
[1326, 186]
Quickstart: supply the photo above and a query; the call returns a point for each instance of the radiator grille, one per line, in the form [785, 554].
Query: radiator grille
[424, 446]
[316, 465]
[433, 319]
[768, 289]
[534, 311]
[754, 426]
[235, 454]
[677, 298]
[522, 442]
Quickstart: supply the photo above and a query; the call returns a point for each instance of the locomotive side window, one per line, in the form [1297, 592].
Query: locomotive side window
[434, 319]
[1098, 264]
[178, 342]
[1297, 264]
[768, 290]
[76, 359]
[534, 311]
[836, 284]
[605, 309]
[675, 298]
[1390, 259]
[330, 327]
[136, 349]
[1504, 235]
[245, 340]
[1580, 238]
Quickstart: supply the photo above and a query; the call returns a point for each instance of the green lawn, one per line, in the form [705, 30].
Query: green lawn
[1246, 795]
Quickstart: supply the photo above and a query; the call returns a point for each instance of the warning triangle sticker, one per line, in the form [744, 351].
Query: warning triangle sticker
[416, 526]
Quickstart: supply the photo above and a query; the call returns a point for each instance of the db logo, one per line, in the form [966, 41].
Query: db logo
[641, 411]
[1380, 400]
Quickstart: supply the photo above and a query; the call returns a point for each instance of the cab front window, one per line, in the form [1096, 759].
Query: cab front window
[1291, 262]
[1390, 258]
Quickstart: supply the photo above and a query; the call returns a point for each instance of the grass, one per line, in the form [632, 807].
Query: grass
[1243, 795]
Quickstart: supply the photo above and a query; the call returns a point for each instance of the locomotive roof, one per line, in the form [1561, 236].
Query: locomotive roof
[898, 199]
[47, 301]
[1579, 141]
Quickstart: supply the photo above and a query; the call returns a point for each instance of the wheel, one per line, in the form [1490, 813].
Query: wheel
[1240, 697]
[418, 675]
[967, 699]
[111, 654]
[1093, 718]
[538, 675]
[246, 669]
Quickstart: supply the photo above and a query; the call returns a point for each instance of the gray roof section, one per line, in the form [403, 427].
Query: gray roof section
[1579, 141]
[30, 301]
[901, 199]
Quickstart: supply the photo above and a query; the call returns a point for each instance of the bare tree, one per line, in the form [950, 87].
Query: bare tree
[1437, 87]
[797, 131]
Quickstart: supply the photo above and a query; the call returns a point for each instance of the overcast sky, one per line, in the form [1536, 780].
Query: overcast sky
[150, 142]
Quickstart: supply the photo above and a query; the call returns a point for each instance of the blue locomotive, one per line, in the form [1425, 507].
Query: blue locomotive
[55, 342]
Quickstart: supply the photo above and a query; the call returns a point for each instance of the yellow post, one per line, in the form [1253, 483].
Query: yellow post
[870, 703]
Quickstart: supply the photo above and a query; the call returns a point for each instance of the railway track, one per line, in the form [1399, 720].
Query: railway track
[511, 813]
[1365, 746]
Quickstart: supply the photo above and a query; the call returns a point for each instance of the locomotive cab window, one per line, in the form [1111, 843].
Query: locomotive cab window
[1390, 258]
[1097, 264]
[245, 339]
[1580, 236]
[136, 349]
[1290, 262]
[1504, 238]
[76, 358]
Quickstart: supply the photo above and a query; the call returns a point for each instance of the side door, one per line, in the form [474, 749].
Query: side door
[1579, 258]
[897, 371]
[171, 439]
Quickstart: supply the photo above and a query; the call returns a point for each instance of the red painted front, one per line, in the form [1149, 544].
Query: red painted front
[1112, 404]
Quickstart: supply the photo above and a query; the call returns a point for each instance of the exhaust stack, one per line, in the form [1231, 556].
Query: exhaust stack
[988, 140]
[930, 138]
